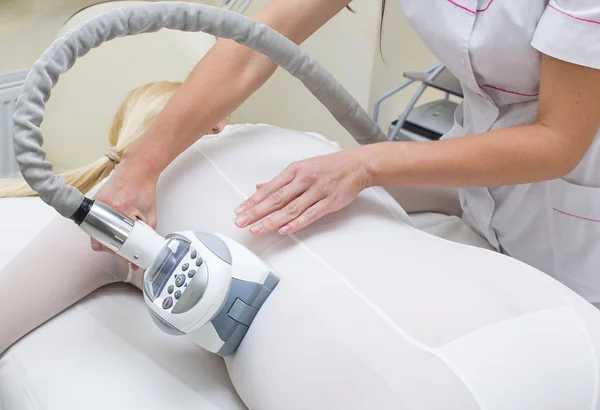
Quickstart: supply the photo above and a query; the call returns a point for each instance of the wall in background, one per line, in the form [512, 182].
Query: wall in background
[27, 27]
[83, 103]
[10, 84]
[402, 51]
[347, 47]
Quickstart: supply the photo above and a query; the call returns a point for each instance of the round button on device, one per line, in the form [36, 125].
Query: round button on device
[177, 294]
[199, 262]
[170, 289]
[180, 281]
[191, 274]
[194, 254]
[167, 303]
[185, 266]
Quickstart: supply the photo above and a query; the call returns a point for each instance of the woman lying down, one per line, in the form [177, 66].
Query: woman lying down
[370, 313]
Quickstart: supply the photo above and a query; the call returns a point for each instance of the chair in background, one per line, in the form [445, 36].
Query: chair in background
[427, 122]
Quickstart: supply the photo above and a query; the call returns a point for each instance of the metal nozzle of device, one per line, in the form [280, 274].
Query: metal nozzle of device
[107, 225]
[131, 239]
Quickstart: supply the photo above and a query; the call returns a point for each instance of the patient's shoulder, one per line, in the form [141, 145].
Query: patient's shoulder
[265, 130]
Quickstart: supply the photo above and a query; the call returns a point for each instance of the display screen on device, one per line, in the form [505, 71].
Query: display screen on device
[163, 266]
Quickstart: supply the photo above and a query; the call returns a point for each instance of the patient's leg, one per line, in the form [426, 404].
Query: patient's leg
[57, 269]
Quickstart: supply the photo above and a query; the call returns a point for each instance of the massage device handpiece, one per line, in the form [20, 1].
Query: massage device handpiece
[191, 284]
[194, 287]
[248, 281]
[128, 238]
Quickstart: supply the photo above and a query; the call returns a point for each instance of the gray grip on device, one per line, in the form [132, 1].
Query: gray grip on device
[61, 56]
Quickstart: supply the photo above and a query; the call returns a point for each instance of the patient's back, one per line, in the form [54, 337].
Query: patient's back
[371, 313]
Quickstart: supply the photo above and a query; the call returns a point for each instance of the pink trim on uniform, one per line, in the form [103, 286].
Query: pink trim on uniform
[509, 92]
[462, 7]
[572, 16]
[486, 7]
[482, 96]
[576, 216]
[470, 10]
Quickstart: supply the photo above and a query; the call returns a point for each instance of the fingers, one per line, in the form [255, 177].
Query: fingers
[149, 218]
[310, 215]
[98, 247]
[294, 209]
[301, 194]
[266, 190]
[274, 202]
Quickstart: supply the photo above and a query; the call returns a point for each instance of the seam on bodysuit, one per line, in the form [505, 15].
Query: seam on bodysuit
[103, 269]
[372, 305]
[404, 334]
[351, 347]
[490, 325]
[596, 399]
[393, 325]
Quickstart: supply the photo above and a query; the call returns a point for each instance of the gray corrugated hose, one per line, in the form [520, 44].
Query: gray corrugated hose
[61, 55]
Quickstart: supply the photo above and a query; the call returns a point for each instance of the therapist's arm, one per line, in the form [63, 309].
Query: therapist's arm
[567, 122]
[222, 80]
[568, 119]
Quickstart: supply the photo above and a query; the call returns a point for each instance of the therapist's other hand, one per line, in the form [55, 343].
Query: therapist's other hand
[304, 192]
[131, 190]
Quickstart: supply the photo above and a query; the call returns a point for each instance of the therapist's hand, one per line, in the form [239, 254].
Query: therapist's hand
[304, 192]
[131, 190]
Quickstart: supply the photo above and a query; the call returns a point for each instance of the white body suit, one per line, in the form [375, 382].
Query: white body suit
[370, 313]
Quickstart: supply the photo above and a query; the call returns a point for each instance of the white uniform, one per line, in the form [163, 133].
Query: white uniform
[493, 48]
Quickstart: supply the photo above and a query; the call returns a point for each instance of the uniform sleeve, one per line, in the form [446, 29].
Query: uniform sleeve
[569, 30]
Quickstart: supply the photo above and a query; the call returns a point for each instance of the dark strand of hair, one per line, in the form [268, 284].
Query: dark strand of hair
[381, 16]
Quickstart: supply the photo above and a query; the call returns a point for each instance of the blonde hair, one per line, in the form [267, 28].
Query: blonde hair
[134, 117]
